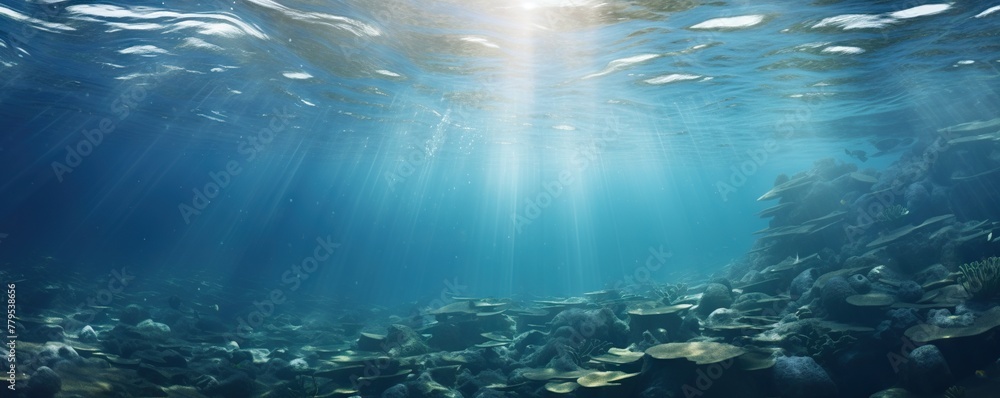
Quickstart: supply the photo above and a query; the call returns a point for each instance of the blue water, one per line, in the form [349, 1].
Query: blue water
[469, 147]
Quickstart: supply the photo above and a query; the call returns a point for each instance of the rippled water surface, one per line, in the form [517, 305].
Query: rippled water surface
[536, 147]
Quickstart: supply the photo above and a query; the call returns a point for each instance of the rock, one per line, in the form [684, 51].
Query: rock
[882, 272]
[910, 292]
[287, 370]
[605, 324]
[474, 385]
[426, 387]
[802, 377]
[396, 391]
[174, 359]
[240, 356]
[898, 321]
[860, 283]
[716, 296]
[87, 334]
[238, 385]
[281, 369]
[153, 330]
[205, 383]
[44, 383]
[260, 355]
[161, 358]
[211, 324]
[925, 371]
[299, 364]
[91, 315]
[45, 333]
[802, 283]
[933, 273]
[943, 318]
[152, 374]
[556, 353]
[656, 392]
[722, 317]
[724, 282]
[861, 261]
[124, 340]
[404, 342]
[690, 328]
[649, 340]
[529, 338]
[748, 299]
[917, 197]
[834, 297]
[133, 314]
[55, 353]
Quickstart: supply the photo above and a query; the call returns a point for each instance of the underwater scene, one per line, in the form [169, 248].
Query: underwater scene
[500, 199]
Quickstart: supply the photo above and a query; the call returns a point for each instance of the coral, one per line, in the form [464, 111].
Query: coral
[564, 360]
[822, 346]
[955, 392]
[860, 283]
[981, 278]
[589, 349]
[668, 293]
[891, 214]
[554, 353]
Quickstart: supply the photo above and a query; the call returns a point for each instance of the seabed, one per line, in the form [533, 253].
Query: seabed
[866, 283]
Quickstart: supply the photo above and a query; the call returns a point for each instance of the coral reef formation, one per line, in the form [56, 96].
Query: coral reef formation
[982, 278]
